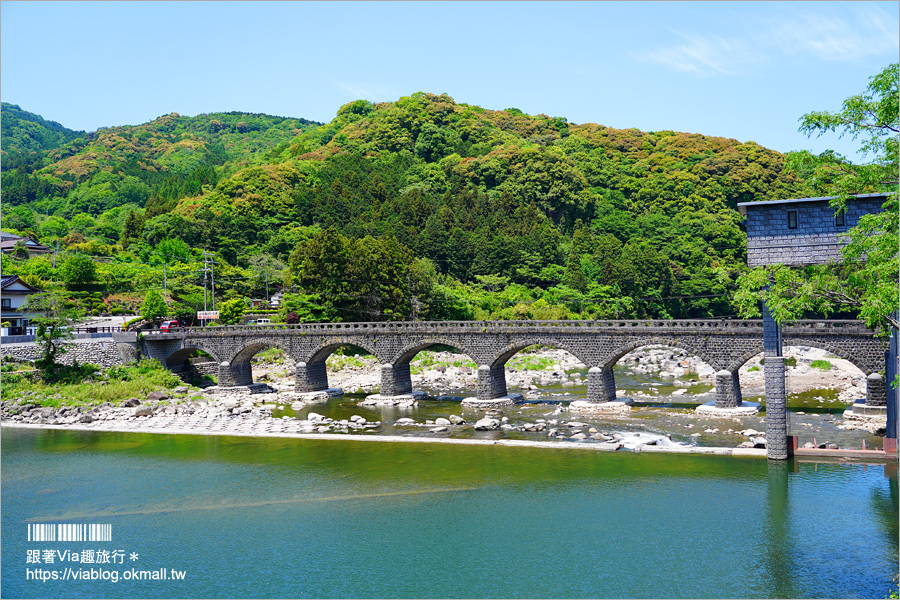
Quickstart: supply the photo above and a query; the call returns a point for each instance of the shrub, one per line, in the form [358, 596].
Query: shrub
[824, 365]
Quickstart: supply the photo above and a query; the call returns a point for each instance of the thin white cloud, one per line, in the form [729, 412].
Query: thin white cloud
[704, 56]
[827, 37]
[812, 30]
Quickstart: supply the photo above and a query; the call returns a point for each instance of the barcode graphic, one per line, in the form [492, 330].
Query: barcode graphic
[69, 532]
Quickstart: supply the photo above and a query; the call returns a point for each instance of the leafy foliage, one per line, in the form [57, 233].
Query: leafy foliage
[54, 317]
[154, 307]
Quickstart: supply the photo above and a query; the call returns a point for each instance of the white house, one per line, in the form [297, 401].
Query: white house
[13, 294]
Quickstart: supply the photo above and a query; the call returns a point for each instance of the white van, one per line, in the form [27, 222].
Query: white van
[264, 321]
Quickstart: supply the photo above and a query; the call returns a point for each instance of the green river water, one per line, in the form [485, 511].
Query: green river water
[267, 517]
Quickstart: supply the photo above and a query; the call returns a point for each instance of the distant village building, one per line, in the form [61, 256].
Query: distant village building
[13, 294]
[9, 241]
[802, 231]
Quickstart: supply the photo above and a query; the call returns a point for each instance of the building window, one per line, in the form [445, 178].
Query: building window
[5, 303]
[792, 219]
[840, 218]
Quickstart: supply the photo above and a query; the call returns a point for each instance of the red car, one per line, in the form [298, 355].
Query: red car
[167, 325]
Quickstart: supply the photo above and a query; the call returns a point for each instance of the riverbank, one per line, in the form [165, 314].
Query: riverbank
[666, 387]
[148, 426]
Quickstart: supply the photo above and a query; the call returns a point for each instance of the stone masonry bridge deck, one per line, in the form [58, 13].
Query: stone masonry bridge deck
[724, 344]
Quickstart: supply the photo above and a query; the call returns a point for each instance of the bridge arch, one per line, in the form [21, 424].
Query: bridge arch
[502, 357]
[322, 352]
[408, 352]
[819, 344]
[251, 347]
[180, 357]
[674, 343]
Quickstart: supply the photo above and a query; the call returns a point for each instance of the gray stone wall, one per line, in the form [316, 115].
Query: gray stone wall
[104, 354]
[816, 239]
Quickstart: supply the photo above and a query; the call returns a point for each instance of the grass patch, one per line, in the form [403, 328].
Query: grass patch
[525, 362]
[822, 365]
[66, 385]
[270, 355]
[753, 368]
[336, 362]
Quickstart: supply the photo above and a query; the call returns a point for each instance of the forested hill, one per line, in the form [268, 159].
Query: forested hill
[25, 136]
[643, 221]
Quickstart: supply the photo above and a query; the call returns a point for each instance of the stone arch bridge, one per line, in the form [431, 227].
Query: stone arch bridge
[724, 344]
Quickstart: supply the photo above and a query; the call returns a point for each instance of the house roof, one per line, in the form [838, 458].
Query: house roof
[9, 242]
[742, 206]
[12, 284]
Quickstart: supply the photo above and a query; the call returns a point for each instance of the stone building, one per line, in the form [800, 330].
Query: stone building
[802, 231]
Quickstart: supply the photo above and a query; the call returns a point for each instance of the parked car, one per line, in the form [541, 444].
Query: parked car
[167, 325]
[251, 322]
[264, 321]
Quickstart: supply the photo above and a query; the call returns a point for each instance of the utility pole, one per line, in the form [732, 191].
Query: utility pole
[267, 287]
[212, 262]
[165, 283]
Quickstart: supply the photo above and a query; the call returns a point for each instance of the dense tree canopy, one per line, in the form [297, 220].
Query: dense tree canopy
[405, 209]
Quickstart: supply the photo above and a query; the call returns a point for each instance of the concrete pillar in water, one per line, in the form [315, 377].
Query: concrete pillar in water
[728, 389]
[484, 382]
[491, 382]
[234, 375]
[395, 379]
[310, 377]
[601, 384]
[498, 381]
[876, 391]
[776, 392]
[776, 408]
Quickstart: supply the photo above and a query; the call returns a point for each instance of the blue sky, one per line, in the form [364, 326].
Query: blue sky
[733, 69]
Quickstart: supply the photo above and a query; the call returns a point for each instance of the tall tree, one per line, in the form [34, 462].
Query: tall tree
[54, 325]
[154, 307]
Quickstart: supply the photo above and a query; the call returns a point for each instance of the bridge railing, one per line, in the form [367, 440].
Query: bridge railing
[845, 326]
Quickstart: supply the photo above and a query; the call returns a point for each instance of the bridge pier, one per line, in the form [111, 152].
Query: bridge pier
[728, 389]
[876, 400]
[396, 387]
[395, 379]
[235, 375]
[310, 377]
[492, 389]
[601, 385]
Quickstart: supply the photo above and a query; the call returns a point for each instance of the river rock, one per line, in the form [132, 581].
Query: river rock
[143, 411]
[578, 436]
[487, 424]
[157, 396]
[457, 420]
[405, 421]
[758, 442]
[131, 402]
[439, 429]
[181, 389]
[314, 417]
[441, 421]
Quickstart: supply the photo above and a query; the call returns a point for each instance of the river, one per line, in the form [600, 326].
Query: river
[270, 517]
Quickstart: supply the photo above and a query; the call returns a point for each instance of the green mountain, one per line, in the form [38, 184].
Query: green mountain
[24, 133]
[646, 221]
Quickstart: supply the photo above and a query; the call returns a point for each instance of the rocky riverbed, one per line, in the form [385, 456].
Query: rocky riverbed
[666, 384]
